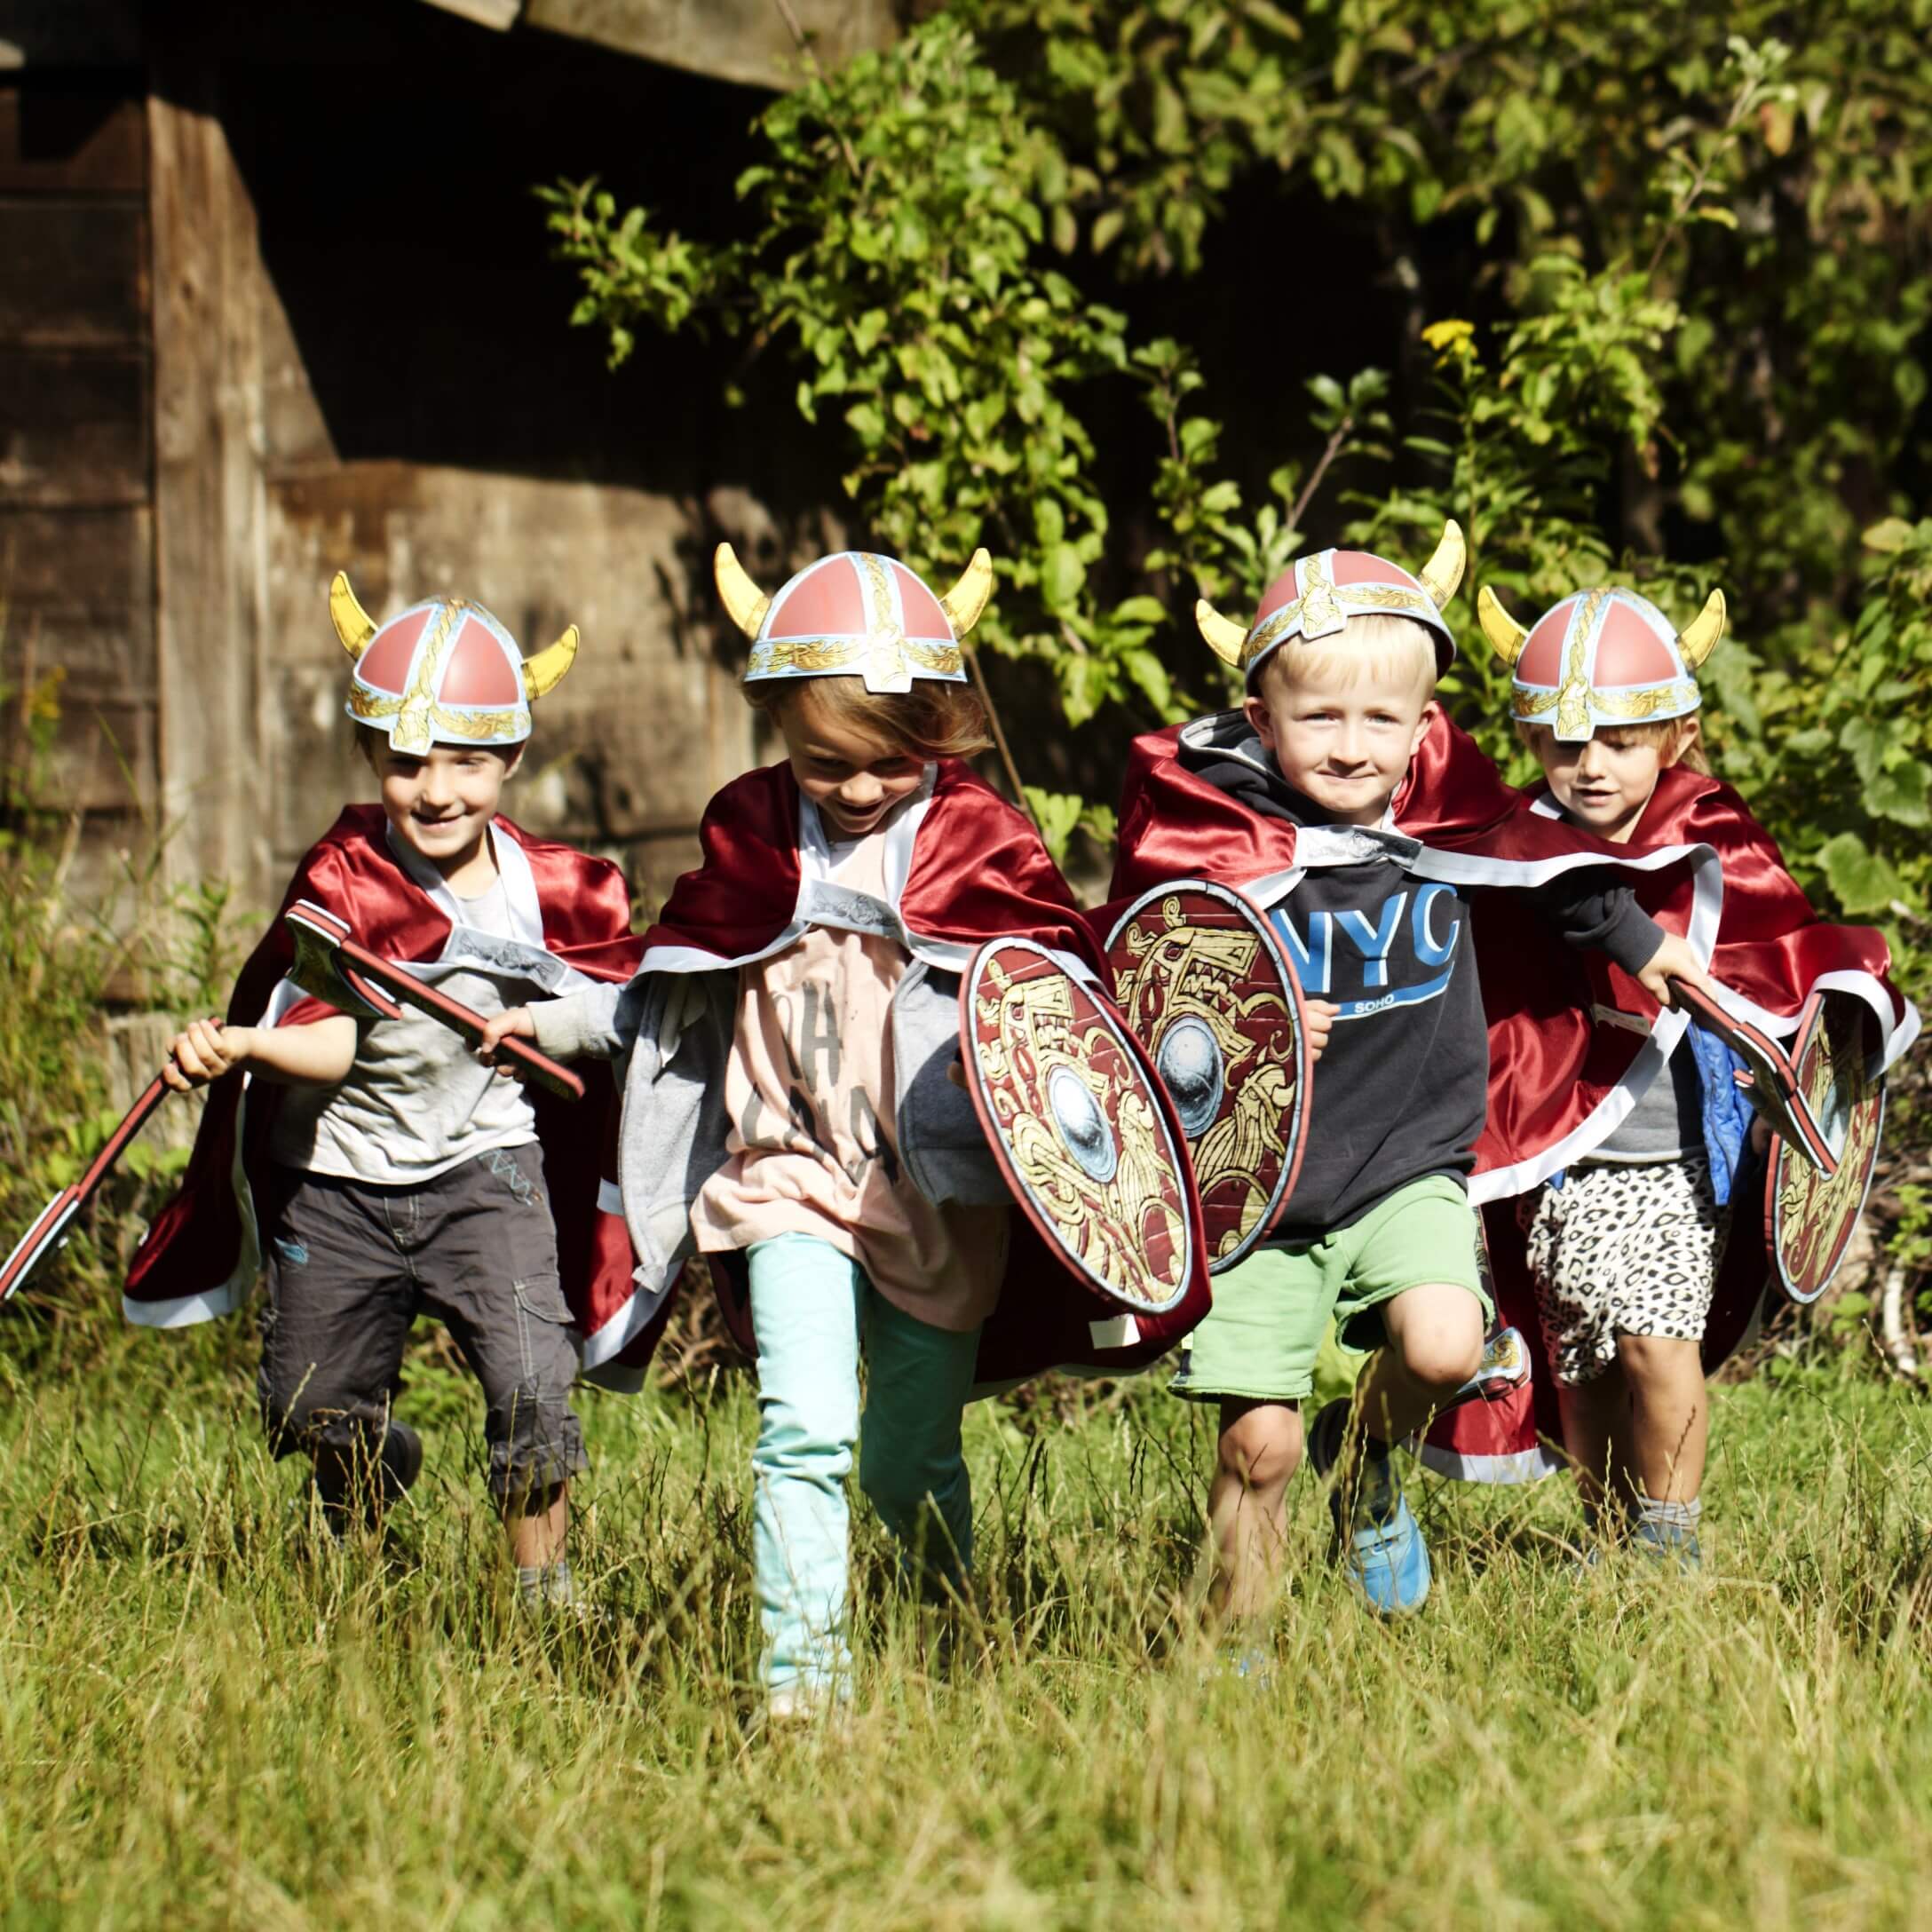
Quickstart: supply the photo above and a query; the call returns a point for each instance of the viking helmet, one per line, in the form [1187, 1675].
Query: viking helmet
[1600, 658]
[444, 670]
[1316, 596]
[855, 614]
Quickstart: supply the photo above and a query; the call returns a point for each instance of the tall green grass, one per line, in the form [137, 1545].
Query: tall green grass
[209, 1714]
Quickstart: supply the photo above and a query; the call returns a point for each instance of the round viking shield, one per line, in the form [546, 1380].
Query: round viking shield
[1081, 1128]
[1206, 988]
[1809, 1217]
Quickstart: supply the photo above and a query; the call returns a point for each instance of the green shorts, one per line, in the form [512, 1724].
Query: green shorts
[1260, 1338]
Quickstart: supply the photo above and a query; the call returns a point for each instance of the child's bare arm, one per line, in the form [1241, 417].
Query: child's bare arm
[317, 1055]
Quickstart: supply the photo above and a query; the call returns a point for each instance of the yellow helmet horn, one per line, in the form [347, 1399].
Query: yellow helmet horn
[543, 673]
[1506, 636]
[1698, 638]
[353, 624]
[745, 602]
[1442, 575]
[1225, 638]
[963, 603]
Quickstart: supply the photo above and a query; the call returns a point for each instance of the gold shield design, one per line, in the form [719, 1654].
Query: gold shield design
[1079, 1126]
[1809, 1215]
[1206, 989]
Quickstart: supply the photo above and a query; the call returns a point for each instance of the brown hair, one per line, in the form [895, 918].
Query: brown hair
[1664, 733]
[931, 721]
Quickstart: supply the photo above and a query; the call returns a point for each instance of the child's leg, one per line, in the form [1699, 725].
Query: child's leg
[1412, 1283]
[1595, 1428]
[1259, 1451]
[1434, 1341]
[910, 1463]
[1670, 1418]
[334, 1326]
[1254, 1356]
[483, 1246]
[804, 1308]
[539, 1528]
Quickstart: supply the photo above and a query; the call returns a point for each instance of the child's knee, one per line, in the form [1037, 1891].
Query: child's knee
[1654, 1359]
[1440, 1344]
[896, 1484]
[1261, 1447]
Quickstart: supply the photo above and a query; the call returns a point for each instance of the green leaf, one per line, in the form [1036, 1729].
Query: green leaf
[1151, 675]
[1861, 880]
[1894, 534]
[1057, 814]
[1062, 575]
[1900, 796]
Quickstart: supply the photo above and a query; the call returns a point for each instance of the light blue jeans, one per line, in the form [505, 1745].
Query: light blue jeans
[810, 1306]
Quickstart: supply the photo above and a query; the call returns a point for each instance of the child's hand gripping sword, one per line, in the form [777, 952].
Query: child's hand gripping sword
[330, 965]
[1769, 1082]
[49, 1233]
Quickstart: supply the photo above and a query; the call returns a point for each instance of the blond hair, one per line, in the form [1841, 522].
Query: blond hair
[932, 720]
[1667, 733]
[1384, 645]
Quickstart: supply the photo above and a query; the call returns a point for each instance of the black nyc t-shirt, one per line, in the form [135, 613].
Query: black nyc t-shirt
[1401, 1088]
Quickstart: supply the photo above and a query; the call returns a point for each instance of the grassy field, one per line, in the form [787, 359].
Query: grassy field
[208, 1716]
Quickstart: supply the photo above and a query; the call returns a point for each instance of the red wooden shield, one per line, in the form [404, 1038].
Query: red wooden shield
[1205, 987]
[1082, 1128]
[1809, 1215]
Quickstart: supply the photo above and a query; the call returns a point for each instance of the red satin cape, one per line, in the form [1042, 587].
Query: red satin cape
[978, 872]
[194, 1247]
[1771, 946]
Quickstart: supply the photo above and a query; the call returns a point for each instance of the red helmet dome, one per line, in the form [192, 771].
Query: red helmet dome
[1316, 596]
[855, 614]
[1600, 658]
[442, 669]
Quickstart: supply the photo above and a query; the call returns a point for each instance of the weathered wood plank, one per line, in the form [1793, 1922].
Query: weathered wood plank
[73, 274]
[72, 428]
[92, 562]
[78, 135]
[735, 40]
[628, 747]
[102, 755]
[214, 767]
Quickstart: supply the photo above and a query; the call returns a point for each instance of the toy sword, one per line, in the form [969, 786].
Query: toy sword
[330, 965]
[1770, 1083]
[49, 1233]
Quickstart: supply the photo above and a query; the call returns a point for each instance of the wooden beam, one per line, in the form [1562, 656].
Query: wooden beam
[209, 524]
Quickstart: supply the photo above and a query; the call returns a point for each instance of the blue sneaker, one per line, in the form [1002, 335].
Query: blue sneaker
[1668, 1547]
[1382, 1551]
[1386, 1559]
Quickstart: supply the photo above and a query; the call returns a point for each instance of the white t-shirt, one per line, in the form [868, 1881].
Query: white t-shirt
[417, 1102]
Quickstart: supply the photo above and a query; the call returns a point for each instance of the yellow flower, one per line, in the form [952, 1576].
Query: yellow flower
[1446, 338]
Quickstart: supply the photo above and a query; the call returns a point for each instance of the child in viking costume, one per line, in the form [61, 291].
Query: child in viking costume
[1340, 799]
[378, 1169]
[1641, 1271]
[792, 1106]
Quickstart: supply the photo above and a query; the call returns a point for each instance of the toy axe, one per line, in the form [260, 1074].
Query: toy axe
[330, 965]
[1769, 1080]
[49, 1233]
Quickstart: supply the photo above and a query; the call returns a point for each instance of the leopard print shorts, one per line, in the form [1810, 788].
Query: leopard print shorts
[1622, 1248]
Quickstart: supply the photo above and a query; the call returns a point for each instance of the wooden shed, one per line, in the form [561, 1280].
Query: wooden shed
[276, 299]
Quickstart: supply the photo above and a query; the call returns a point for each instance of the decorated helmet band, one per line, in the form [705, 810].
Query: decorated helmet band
[1600, 658]
[1317, 595]
[442, 670]
[855, 614]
